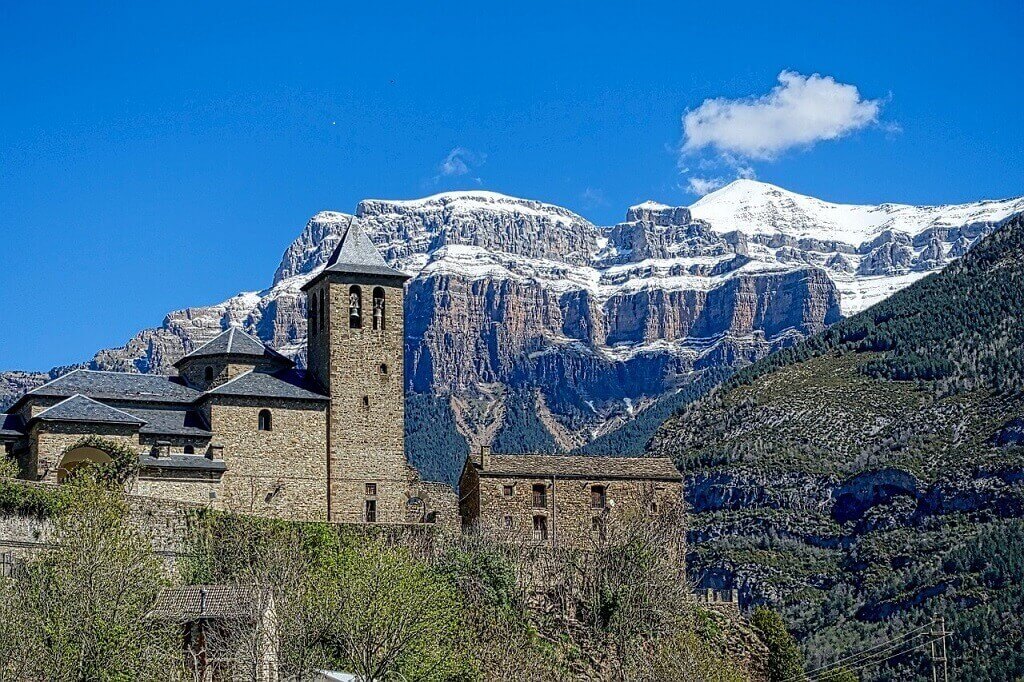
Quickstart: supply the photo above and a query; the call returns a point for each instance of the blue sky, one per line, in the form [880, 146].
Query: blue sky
[153, 158]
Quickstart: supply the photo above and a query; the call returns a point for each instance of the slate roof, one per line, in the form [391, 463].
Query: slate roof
[235, 341]
[116, 386]
[356, 254]
[288, 383]
[79, 408]
[574, 466]
[204, 601]
[173, 422]
[182, 463]
[11, 427]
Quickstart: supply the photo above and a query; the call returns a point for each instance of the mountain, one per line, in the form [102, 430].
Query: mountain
[530, 326]
[872, 476]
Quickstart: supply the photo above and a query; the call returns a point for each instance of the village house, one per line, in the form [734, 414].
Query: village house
[563, 500]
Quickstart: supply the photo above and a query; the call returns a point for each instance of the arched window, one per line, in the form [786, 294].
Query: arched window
[323, 310]
[189, 450]
[355, 307]
[312, 312]
[266, 422]
[208, 373]
[378, 307]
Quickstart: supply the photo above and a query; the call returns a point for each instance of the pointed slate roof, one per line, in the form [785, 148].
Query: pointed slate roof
[356, 254]
[79, 408]
[234, 341]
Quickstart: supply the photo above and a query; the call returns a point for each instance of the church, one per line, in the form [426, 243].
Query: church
[240, 428]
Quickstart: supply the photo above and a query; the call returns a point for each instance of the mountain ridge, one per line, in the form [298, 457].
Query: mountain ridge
[594, 322]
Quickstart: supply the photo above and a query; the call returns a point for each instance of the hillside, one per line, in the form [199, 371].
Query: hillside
[528, 324]
[872, 476]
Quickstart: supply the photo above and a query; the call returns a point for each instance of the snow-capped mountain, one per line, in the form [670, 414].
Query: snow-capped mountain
[515, 299]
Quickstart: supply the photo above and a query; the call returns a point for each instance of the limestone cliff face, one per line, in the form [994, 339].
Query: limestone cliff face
[516, 293]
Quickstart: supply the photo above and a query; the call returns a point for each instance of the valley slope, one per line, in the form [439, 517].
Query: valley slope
[872, 476]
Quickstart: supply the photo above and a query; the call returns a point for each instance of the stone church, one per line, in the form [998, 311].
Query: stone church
[240, 428]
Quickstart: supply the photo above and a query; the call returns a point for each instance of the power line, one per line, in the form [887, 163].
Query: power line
[891, 650]
[881, 645]
[900, 651]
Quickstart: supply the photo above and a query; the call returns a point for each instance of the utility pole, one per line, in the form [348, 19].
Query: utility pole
[940, 665]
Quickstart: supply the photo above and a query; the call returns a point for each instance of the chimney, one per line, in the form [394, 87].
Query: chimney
[485, 456]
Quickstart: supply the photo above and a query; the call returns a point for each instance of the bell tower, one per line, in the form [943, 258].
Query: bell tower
[355, 339]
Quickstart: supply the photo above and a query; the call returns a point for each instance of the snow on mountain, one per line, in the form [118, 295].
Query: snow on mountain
[758, 208]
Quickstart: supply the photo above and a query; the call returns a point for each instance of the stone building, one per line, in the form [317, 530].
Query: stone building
[562, 500]
[241, 428]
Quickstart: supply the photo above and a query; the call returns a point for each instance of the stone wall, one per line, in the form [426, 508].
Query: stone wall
[166, 522]
[194, 371]
[281, 472]
[201, 488]
[568, 511]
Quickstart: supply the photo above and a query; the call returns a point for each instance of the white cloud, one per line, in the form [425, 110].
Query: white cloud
[460, 161]
[799, 112]
[702, 186]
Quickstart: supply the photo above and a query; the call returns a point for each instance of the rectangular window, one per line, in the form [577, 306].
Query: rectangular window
[540, 496]
[598, 497]
[508, 522]
[540, 528]
[371, 511]
[371, 489]
[507, 491]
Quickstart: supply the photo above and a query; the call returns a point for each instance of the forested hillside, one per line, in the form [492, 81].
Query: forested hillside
[872, 476]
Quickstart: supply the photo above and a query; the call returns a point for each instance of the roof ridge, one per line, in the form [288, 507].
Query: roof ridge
[91, 400]
[47, 383]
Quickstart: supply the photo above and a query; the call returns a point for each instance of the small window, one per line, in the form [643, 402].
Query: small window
[355, 307]
[366, 402]
[378, 308]
[371, 489]
[507, 490]
[371, 511]
[266, 422]
[598, 496]
[654, 507]
[540, 528]
[189, 450]
[540, 496]
[508, 522]
[208, 373]
[383, 369]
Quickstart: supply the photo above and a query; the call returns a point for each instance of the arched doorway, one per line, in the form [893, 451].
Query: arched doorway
[78, 457]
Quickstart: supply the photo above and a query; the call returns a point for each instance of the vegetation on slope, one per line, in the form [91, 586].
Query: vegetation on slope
[872, 477]
[381, 602]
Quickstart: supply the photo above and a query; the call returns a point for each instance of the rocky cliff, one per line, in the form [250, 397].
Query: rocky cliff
[513, 297]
